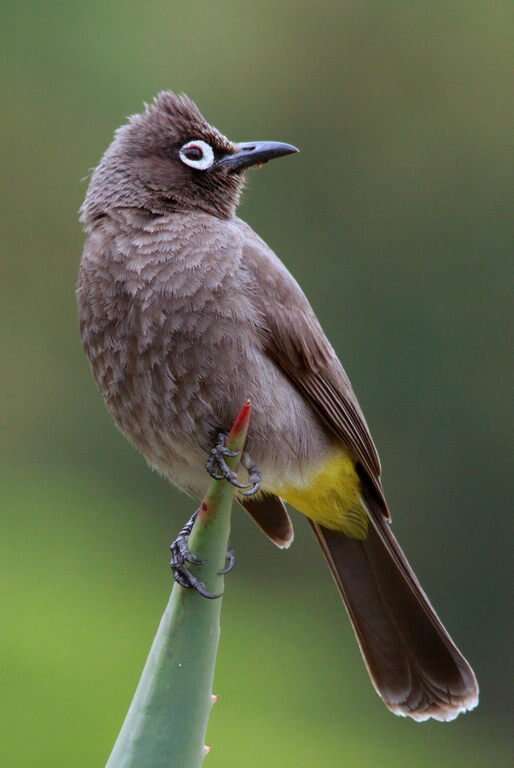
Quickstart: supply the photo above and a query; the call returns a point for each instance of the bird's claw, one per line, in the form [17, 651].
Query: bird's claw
[255, 478]
[218, 468]
[186, 579]
[254, 475]
[181, 556]
[229, 563]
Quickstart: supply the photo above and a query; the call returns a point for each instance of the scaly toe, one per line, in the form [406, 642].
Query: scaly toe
[218, 468]
[254, 476]
[186, 580]
[229, 564]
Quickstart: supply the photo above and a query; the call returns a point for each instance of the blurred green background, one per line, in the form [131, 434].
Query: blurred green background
[397, 219]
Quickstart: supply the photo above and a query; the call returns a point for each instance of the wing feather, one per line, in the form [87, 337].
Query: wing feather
[295, 340]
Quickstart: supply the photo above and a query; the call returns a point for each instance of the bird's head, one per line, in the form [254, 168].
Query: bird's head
[169, 158]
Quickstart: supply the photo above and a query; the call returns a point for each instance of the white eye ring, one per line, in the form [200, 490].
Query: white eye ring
[203, 162]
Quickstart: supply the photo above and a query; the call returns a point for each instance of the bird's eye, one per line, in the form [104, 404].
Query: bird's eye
[194, 153]
[197, 154]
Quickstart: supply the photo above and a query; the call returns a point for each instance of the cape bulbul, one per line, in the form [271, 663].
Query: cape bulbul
[185, 313]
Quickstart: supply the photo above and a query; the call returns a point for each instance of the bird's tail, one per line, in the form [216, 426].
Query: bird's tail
[413, 663]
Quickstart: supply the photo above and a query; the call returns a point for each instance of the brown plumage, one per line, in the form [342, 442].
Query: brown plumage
[185, 313]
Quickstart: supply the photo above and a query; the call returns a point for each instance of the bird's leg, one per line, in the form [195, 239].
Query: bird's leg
[216, 465]
[181, 556]
[218, 468]
[254, 475]
[255, 478]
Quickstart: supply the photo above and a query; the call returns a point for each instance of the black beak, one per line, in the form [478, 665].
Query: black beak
[254, 153]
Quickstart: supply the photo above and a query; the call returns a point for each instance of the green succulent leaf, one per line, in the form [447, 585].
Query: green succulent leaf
[167, 720]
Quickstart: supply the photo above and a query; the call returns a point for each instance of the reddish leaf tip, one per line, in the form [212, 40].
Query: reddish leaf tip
[242, 420]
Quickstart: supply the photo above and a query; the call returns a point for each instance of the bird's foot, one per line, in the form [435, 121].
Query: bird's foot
[229, 563]
[181, 556]
[254, 475]
[218, 468]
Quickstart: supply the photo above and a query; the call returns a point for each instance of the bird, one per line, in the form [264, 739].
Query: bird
[185, 313]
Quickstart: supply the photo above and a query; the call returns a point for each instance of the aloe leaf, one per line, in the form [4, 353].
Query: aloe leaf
[167, 720]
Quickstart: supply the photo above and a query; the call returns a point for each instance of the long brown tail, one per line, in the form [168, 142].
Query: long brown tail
[413, 663]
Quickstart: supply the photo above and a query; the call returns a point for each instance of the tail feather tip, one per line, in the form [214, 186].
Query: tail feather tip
[443, 712]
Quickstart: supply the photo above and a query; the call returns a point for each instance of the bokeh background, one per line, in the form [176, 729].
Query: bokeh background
[397, 219]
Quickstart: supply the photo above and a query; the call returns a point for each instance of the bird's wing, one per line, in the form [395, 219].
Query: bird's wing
[295, 340]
